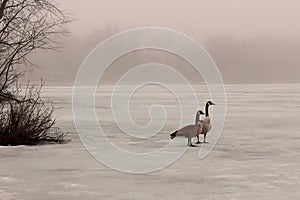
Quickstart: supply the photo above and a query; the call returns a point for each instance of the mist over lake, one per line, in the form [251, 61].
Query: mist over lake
[257, 155]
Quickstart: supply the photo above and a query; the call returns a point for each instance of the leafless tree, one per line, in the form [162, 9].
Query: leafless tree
[25, 26]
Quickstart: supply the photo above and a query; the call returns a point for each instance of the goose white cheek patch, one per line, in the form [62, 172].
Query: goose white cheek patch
[93, 136]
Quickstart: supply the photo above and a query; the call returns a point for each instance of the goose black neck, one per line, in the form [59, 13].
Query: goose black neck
[197, 118]
[206, 110]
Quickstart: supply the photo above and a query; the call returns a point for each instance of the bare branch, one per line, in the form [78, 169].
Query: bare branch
[26, 26]
[2, 7]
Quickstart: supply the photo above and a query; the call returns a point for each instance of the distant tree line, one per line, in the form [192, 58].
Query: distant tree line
[260, 59]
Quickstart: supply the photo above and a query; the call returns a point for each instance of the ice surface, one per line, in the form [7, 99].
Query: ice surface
[256, 157]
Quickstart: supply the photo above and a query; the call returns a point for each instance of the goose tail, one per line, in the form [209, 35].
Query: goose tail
[173, 134]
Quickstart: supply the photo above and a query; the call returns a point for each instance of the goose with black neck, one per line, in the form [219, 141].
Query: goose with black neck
[206, 125]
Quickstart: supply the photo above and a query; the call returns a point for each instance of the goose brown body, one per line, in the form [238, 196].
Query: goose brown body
[206, 125]
[189, 131]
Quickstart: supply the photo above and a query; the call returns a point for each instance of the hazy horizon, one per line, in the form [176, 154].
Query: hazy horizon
[251, 42]
[198, 18]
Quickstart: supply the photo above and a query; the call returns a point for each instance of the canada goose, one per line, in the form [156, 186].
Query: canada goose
[189, 131]
[206, 126]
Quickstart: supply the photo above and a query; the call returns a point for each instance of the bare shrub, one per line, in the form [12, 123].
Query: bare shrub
[28, 121]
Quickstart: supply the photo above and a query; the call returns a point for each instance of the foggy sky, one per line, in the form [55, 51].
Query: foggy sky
[198, 18]
[253, 41]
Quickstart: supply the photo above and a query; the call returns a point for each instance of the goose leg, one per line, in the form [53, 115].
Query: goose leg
[198, 141]
[205, 139]
[190, 143]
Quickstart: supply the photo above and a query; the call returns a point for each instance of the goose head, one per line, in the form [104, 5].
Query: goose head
[199, 112]
[210, 103]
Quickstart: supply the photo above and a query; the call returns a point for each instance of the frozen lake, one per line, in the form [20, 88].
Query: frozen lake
[256, 157]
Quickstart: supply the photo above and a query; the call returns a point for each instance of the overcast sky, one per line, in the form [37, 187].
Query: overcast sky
[199, 18]
[252, 41]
